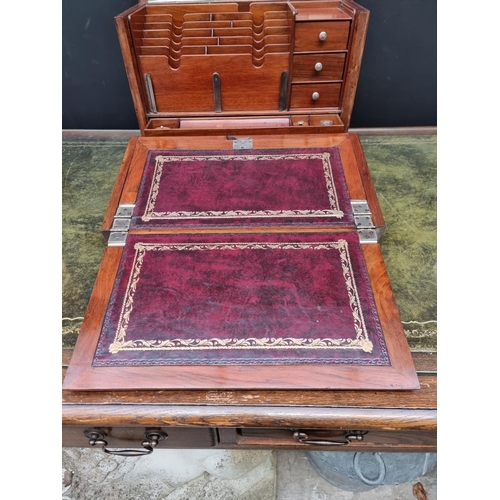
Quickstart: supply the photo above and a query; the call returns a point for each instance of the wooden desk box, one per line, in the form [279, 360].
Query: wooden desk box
[243, 299]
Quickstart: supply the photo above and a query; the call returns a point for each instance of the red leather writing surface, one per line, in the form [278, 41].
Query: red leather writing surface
[241, 299]
[242, 188]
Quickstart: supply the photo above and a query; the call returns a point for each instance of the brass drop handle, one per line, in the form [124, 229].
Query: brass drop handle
[315, 96]
[303, 437]
[322, 36]
[153, 437]
[318, 67]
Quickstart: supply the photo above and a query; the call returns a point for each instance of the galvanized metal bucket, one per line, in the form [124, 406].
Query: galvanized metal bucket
[363, 471]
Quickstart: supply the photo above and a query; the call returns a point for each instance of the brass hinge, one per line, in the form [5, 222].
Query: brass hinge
[117, 238]
[367, 232]
[124, 210]
[121, 225]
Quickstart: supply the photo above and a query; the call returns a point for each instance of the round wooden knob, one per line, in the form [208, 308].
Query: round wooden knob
[315, 96]
[322, 36]
[318, 66]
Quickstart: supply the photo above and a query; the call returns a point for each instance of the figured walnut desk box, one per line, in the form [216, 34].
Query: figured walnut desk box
[243, 260]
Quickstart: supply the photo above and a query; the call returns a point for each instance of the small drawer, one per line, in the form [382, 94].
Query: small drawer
[325, 121]
[331, 120]
[315, 36]
[159, 126]
[300, 120]
[119, 438]
[311, 67]
[315, 95]
[421, 441]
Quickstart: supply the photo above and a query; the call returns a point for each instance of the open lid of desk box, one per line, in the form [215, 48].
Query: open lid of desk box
[294, 304]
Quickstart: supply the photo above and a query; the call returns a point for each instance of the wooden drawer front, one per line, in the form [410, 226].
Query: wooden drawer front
[302, 95]
[307, 36]
[132, 437]
[320, 67]
[422, 441]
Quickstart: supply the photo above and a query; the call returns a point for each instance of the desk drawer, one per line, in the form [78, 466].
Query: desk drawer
[133, 437]
[307, 67]
[421, 441]
[324, 36]
[315, 95]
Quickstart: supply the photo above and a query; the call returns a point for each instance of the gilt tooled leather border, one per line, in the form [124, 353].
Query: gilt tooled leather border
[361, 340]
[160, 160]
[119, 350]
[327, 201]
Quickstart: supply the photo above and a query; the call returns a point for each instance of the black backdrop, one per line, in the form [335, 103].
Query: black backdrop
[397, 85]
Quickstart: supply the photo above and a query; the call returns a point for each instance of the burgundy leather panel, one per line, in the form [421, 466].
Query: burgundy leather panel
[245, 299]
[243, 188]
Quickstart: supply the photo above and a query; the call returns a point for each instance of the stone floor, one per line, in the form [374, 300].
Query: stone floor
[214, 475]
[404, 173]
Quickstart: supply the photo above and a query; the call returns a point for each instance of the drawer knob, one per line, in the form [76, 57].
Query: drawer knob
[322, 36]
[153, 437]
[318, 66]
[315, 96]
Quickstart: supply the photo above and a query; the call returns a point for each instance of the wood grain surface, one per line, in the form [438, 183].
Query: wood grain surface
[257, 417]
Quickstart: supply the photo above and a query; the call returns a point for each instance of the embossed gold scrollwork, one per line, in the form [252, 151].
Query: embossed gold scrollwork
[151, 214]
[361, 341]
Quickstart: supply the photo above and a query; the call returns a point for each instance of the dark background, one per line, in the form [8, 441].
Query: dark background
[397, 85]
